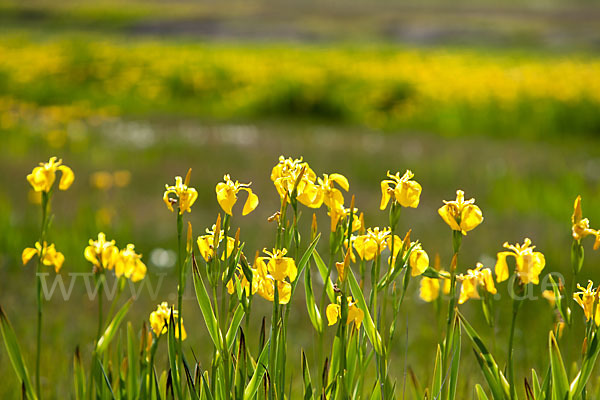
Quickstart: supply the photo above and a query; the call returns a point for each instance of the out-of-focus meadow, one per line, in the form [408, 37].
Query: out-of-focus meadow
[502, 101]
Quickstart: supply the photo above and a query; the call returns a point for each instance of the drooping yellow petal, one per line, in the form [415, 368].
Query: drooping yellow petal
[67, 178]
[28, 254]
[419, 261]
[251, 202]
[429, 289]
[488, 281]
[471, 217]
[340, 180]
[385, 195]
[355, 315]
[446, 212]
[333, 313]
[226, 197]
[468, 290]
[502, 266]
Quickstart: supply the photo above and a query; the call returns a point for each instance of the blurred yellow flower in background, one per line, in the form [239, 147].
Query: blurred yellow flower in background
[471, 281]
[461, 215]
[130, 265]
[227, 195]
[529, 263]
[159, 320]
[405, 191]
[101, 253]
[49, 255]
[42, 178]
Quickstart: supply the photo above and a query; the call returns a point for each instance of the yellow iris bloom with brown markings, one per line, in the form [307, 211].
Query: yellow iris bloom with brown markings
[461, 215]
[529, 263]
[184, 196]
[227, 192]
[42, 178]
[404, 190]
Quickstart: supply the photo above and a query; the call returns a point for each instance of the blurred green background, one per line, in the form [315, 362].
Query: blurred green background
[500, 99]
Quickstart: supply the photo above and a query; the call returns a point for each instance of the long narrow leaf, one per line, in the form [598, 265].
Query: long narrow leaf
[14, 353]
[323, 271]
[372, 332]
[206, 306]
[261, 367]
[112, 328]
[234, 326]
[560, 381]
[313, 310]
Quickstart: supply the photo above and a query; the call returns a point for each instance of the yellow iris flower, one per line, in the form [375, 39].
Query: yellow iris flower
[239, 275]
[341, 213]
[418, 259]
[406, 192]
[529, 263]
[472, 280]
[185, 196]
[294, 173]
[355, 314]
[47, 253]
[461, 215]
[206, 244]
[42, 178]
[159, 320]
[277, 265]
[130, 265]
[330, 195]
[587, 298]
[372, 243]
[101, 253]
[581, 226]
[227, 195]
[273, 270]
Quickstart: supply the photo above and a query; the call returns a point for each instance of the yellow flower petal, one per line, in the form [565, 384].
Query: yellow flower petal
[502, 266]
[429, 289]
[419, 261]
[28, 254]
[67, 178]
[385, 195]
[471, 217]
[251, 202]
[333, 313]
[446, 212]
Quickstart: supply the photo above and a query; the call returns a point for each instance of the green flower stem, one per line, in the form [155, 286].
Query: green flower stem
[180, 272]
[456, 243]
[273, 343]
[100, 283]
[38, 286]
[511, 372]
